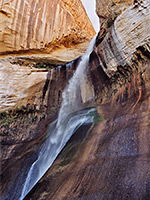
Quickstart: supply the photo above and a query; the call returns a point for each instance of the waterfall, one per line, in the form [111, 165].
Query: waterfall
[70, 118]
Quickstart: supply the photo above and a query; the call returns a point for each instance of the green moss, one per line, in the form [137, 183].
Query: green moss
[43, 65]
[112, 18]
[99, 119]
[74, 145]
[96, 119]
[6, 122]
[110, 22]
[7, 118]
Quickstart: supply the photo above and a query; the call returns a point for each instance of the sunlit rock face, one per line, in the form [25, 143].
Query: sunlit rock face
[130, 30]
[39, 26]
[42, 25]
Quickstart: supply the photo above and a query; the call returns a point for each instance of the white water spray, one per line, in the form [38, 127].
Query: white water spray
[62, 129]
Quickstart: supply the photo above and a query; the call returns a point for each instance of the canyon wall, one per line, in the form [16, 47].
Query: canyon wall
[35, 27]
[42, 25]
[115, 155]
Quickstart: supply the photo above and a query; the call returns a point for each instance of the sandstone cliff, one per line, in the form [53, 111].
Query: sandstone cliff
[115, 155]
[30, 27]
[42, 25]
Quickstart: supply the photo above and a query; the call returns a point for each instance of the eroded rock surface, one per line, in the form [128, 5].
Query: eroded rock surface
[130, 30]
[42, 25]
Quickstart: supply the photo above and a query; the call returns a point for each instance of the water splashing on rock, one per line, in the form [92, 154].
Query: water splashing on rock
[60, 131]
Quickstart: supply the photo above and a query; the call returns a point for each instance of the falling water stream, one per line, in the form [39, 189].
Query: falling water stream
[70, 118]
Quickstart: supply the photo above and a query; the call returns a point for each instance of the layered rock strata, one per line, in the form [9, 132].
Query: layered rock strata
[42, 25]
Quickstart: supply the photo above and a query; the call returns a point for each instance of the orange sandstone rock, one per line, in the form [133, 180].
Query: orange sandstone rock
[42, 25]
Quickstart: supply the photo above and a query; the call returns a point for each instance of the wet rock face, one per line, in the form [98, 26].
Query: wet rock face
[114, 160]
[42, 25]
[31, 102]
[112, 163]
